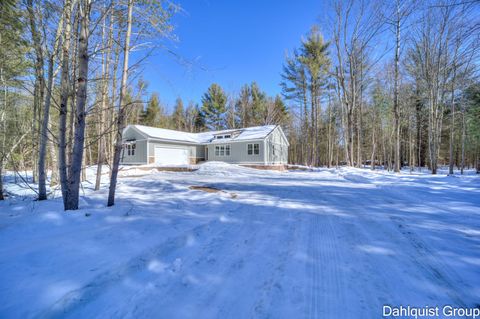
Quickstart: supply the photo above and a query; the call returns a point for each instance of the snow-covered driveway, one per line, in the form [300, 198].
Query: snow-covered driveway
[324, 244]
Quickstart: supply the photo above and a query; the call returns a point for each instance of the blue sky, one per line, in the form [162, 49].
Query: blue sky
[231, 43]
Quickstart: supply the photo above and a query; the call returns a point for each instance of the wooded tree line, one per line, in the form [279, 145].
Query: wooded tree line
[66, 88]
[218, 110]
[388, 83]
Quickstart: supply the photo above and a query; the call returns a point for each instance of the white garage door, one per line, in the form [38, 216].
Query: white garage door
[170, 156]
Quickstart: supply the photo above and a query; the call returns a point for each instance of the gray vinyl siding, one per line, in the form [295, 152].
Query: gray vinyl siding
[276, 140]
[200, 149]
[238, 153]
[140, 156]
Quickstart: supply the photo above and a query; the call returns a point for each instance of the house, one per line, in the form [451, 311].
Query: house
[257, 146]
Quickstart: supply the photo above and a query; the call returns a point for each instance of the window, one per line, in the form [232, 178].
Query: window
[253, 149]
[220, 137]
[131, 149]
[222, 150]
[273, 150]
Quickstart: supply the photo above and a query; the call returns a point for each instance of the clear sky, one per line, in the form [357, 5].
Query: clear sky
[231, 42]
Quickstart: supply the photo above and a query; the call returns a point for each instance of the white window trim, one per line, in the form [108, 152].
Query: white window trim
[253, 149]
[130, 148]
[224, 147]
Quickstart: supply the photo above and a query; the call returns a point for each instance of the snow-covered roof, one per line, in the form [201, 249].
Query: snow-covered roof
[247, 133]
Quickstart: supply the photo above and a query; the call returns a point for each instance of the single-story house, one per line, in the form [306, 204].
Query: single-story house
[261, 145]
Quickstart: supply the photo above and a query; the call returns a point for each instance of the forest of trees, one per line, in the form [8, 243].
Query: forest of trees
[379, 83]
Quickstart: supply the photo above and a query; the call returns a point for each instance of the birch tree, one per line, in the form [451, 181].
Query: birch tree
[120, 124]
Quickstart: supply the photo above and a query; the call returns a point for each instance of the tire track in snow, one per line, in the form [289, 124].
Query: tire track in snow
[272, 285]
[425, 257]
[426, 263]
[211, 256]
[361, 278]
[437, 271]
[248, 267]
[313, 268]
[79, 298]
[327, 279]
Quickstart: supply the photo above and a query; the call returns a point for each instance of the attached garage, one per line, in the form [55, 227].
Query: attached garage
[171, 156]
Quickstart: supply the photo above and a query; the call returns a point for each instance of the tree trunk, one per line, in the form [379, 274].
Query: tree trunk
[111, 119]
[121, 111]
[81, 98]
[53, 156]
[2, 197]
[396, 107]
[452, 123]
[102, 113]
[462, 165]
[64, 94]
[42, 153]
[39, 91]
[42, 176]
[374, 142]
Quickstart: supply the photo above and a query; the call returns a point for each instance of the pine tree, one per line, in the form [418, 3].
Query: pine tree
[178, 116]
[150, 116]
[12, 66]
[214, 107]
[472, 124]
[259, 105]
[199, 122]
[281, 111]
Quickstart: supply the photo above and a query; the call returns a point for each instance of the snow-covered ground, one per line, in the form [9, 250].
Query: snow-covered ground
[318, 244]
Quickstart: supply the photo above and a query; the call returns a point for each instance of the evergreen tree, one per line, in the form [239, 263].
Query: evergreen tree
[259, 105]
[199, 121]
[163, 119]
[471, 130]
[178, 116]
[150, 116]
[12, 66]
[281, 111]
[214, 107]
[304, 78]
[12, 46]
